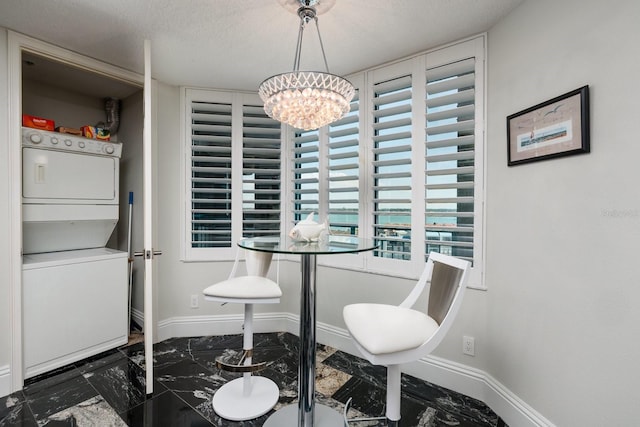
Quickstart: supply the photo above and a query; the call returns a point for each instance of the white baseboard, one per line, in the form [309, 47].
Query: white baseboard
[454, 376]
[513, 410]
[193, 326]
[5, 380]
[137, 316]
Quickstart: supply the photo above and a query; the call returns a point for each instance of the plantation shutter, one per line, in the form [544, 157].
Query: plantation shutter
[261, 173]
[344, 172]
[306, 182]
[450, 159]
[234, 172]
[210, 174]
[392, 167]
[368, 174]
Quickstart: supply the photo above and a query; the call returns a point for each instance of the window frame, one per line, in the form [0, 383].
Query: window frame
[237, 100]
[415, 65]
[473, 47]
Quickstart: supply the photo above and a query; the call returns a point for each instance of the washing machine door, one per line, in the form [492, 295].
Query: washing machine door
[65, 177]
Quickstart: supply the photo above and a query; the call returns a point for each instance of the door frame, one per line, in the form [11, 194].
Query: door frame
[16, 44]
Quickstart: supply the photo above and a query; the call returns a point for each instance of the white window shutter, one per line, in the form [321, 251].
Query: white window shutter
[306, 169]
[450, 159]
[211, 181]
[261, 173]
[344, 172]
[391, 167]
[405, 167]
[233, 173]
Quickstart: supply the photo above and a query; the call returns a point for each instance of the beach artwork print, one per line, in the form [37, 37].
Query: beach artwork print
[554, 128]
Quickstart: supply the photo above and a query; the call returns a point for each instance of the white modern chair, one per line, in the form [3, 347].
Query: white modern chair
[391, 335]
[250, 396]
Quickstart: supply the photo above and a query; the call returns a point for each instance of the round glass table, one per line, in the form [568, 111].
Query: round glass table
[308, 414]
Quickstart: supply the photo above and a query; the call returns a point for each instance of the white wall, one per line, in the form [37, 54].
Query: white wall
[63, 106]
[562, 235]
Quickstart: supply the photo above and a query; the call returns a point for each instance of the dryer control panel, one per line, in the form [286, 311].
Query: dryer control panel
[65, 142]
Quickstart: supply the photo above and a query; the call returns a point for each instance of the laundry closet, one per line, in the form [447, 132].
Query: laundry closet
[78, 193]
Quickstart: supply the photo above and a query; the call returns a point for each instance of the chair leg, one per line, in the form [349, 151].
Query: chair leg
[393, 395]
[393, 400]
[247, 339]
[245, 365]
[247, 346]
[347, 406]
[250, 396]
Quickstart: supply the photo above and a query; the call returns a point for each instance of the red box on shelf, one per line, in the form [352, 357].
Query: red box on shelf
[37, 122]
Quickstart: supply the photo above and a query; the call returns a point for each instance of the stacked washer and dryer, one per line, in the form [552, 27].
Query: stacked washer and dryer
[75, 289]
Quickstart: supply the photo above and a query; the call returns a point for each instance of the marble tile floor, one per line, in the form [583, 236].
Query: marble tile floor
[109, 389]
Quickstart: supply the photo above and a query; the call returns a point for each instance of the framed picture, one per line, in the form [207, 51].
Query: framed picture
[555, 128]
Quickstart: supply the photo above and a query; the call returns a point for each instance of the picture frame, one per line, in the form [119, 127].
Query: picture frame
[555, 128]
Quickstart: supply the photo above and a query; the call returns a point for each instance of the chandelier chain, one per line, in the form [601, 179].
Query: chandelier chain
[296, 58]
[324, 56]
[306, 15]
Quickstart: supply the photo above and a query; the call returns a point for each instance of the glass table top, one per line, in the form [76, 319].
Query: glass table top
[329, 245]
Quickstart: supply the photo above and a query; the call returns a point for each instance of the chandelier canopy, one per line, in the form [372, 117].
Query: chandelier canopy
[306, 99]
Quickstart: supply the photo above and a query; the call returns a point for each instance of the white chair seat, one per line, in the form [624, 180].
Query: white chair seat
[382, 329]
[254, 287]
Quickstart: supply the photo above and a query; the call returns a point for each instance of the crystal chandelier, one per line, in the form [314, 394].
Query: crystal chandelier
[306, 99]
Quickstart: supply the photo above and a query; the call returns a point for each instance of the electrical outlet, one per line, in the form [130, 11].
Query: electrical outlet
[468, 346]
[194, 301]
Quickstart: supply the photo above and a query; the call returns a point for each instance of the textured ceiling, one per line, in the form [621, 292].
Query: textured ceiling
[235, 44]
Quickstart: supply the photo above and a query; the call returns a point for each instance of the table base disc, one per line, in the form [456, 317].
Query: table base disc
[231, 403]
[287, 416]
